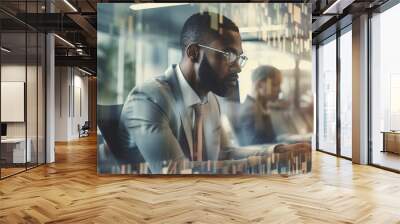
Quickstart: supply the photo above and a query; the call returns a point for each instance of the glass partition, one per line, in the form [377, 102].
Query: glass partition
[22, 87]
[14, 153]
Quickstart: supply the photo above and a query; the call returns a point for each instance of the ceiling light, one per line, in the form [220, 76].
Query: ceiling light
[141, 6]
[71, 6]
[5, 50]
[65, 41]
[84, 71]
[337, 7]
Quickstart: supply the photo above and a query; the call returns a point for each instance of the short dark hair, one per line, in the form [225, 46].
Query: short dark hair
[264, 72]
[204, 27]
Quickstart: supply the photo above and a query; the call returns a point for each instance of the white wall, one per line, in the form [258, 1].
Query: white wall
[71, 93]
[16, 73]
[61, 103]
[79, 117]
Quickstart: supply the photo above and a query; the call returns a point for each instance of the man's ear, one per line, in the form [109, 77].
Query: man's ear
[193, 52]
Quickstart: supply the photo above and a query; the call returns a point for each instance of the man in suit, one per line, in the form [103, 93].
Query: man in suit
[176, 116]
[254, 125]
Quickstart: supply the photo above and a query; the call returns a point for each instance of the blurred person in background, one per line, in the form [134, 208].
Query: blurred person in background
[254, 124]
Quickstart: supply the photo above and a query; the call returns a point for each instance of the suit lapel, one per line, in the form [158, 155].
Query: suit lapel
[173, 82]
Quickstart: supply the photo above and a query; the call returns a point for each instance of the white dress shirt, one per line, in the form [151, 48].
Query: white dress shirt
[190, 99]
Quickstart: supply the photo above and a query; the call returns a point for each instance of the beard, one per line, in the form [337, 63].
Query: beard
[209, 79]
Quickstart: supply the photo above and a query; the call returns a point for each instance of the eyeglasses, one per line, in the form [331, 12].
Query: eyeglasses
[230, 56]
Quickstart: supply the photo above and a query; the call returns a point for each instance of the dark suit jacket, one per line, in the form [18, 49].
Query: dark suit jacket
[154, 122]
[251, 131]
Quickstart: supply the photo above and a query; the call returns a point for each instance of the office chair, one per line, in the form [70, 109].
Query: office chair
[84, 130]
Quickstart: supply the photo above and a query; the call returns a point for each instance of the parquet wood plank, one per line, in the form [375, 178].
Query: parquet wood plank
[70, 191]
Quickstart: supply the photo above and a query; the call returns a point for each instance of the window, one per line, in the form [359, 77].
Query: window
[327, 97]
[385, 88]
[346, 94]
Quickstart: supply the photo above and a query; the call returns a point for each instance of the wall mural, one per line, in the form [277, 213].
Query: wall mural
[204, 88]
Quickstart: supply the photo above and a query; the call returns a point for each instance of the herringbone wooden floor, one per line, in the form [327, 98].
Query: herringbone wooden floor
[70, 191]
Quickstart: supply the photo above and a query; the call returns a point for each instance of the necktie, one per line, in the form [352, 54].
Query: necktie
[198, 133]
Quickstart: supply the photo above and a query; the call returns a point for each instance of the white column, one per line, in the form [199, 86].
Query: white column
[50, 99]
[360, 90]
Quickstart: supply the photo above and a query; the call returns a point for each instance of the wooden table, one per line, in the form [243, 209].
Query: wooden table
[391, 141]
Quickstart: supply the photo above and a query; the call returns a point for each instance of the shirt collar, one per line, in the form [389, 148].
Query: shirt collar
[189, 96]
